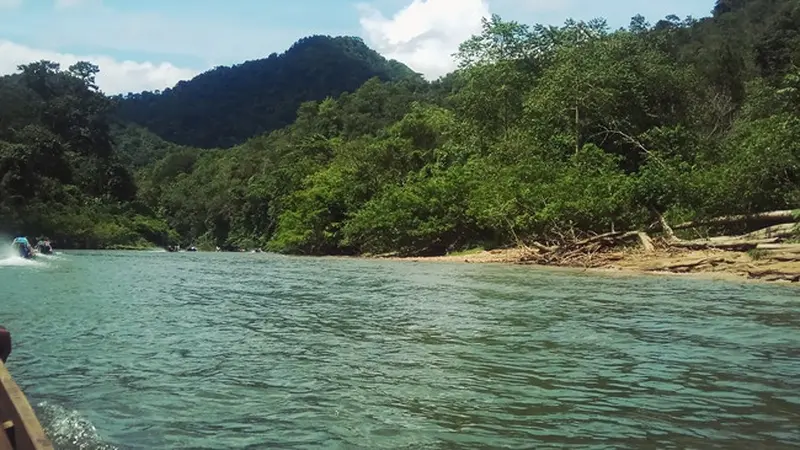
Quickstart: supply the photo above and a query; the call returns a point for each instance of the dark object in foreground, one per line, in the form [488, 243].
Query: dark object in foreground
[21, 428]
[5, 344]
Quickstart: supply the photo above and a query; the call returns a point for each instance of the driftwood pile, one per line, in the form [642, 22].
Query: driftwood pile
[769, 241]
[585, 252]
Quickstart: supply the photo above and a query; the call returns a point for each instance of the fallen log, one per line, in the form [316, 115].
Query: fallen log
[542, 247]
[647, 243]
[687, 266]
[600, 237]
[774, 217]
[774, 275]
[790, 248]
[730, 244]
[783, 230]
[785, 257]
[772, 234]
[666, 228]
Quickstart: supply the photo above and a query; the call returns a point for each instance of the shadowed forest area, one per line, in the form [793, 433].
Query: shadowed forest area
[543, 132]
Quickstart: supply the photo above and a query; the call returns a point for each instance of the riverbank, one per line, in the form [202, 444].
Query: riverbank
[706, 263]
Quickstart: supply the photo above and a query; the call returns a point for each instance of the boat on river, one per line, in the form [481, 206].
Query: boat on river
[44, 247]
[23, 248]
[21, 429]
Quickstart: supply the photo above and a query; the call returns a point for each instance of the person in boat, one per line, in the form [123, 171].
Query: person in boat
[44, 247]
[23, 247]
[5, 343]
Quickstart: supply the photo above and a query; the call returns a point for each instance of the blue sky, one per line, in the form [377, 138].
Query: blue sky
[151, 44]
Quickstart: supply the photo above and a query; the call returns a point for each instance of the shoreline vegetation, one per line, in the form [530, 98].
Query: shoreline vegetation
[671, 147]
[770, 253]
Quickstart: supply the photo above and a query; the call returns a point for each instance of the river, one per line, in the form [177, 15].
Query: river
[156, 350]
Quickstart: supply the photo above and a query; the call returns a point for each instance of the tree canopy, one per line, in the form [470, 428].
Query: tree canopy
[59, 173]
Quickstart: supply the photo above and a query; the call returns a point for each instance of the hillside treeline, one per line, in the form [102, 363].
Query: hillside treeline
[542, 131]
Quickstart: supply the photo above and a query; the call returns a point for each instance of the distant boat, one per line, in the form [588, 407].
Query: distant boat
[191, 249]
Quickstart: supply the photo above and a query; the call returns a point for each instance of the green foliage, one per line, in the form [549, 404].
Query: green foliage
[542, 131]
[60, 176]
[761, 167]
[137, 147]
[426, 215]
[312, 222]
[756, 253]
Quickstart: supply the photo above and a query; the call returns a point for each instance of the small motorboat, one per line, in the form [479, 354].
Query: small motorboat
[23, 247]
[44, 247]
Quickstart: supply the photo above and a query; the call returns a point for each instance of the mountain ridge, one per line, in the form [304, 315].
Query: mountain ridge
[226, 105]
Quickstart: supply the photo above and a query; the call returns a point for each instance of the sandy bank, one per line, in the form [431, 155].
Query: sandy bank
[704, 263]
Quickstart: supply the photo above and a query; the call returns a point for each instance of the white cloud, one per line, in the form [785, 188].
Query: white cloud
[148, 31]
[424, 34]
[10, 3]
[114, 77]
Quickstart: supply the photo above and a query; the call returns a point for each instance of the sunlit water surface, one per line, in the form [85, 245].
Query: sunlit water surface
[155, 350]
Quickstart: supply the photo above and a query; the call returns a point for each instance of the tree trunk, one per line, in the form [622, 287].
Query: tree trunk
[783, 230]
[731, 244]
[647, 243]
[774, 217]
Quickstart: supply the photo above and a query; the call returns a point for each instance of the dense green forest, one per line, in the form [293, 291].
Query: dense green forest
[59, 173]
[542, 131]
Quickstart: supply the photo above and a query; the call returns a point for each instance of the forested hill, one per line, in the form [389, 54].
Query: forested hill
[227, 105]
[542, 132]
[60, 174]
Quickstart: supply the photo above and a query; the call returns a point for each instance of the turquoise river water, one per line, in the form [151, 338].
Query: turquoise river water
[156, 350]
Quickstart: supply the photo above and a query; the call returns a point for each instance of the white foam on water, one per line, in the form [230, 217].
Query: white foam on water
[52, 256]
[68, 429]
[10, 257]
[15, 260]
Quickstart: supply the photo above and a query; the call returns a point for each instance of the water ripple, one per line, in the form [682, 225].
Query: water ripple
[218, 351]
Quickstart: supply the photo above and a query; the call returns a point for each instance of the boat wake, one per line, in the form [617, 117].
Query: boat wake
[8, 257]
[68, 429]
[14, 260]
